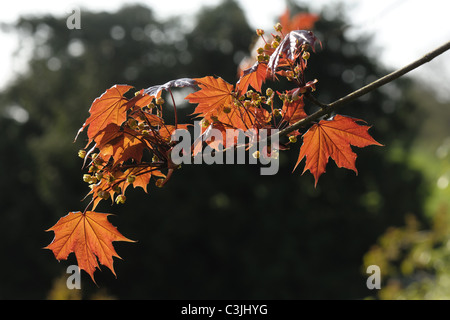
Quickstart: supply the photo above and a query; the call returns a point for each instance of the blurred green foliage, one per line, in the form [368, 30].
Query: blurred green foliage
[214, 232]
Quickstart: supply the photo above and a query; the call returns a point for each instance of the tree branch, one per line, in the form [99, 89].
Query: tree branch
[328, 108]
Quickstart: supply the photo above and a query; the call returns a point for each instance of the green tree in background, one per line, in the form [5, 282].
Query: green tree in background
[213, 231]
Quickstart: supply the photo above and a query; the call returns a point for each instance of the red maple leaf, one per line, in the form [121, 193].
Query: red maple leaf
[89, 235]
[333, 138]
[110, 107]
[254, 76]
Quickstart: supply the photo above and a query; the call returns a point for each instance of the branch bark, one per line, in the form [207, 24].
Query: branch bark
[328, 108]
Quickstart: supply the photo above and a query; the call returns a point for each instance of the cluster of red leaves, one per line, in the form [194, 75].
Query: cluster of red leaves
[129, 141]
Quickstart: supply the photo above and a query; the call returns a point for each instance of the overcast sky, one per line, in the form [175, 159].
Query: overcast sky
[404, 29]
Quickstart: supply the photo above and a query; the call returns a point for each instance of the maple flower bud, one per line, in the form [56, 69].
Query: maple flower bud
[260, 50]
[132, 123]
[205, 123]
[121, 199]
[159, 183]
[306, 55]
[160, 101]
[103, 194]
[269, 92]
[131, 178]
[259, 32]
[278, 27]
[277, 112]
[275, 44]
[93, 180]
[99, 175]
[141, 125]
[87, 177]
[247, 104]
[82, 154]
[292, 139]
[110, 178]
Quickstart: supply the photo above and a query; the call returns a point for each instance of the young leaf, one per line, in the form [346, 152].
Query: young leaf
[254, 76]
[214, 93]
[142, 179]
[293, 111]
[178, 83]
[110, 107]
[299, 21]
[89, 236]
[332, 138]
[120, 144]
[290, 46]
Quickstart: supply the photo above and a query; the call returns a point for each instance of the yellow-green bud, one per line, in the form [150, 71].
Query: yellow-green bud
[82, 154]
[226, 109]
[131, 178]
[278, 27]
[159, 183]
[277, 112]
[121, 199]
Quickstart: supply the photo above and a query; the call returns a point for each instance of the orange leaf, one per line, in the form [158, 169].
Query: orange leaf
[121, 144]
[110, 107]
[216, 103]
[253, 76]
[143, 176]
[300, 21]
[214, 94]
[293, 111]
[332, 138]
[89, 236]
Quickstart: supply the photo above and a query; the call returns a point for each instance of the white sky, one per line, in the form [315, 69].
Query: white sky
[404, 29]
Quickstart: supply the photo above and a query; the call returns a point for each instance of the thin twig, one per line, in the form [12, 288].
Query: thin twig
[328, 108]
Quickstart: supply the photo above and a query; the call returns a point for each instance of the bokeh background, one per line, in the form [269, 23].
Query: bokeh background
[224, 231]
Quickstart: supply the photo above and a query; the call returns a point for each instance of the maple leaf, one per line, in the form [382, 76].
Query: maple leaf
[89, 235]
[110, 107]
[293, 111]
[254, 76]
[299, 21]
[142, 177]
[214, 93]
[333, 138]
[119, 143]
[216, 102]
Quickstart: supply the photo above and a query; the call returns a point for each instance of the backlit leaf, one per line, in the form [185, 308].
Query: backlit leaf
[333, 138]
[89, 236]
